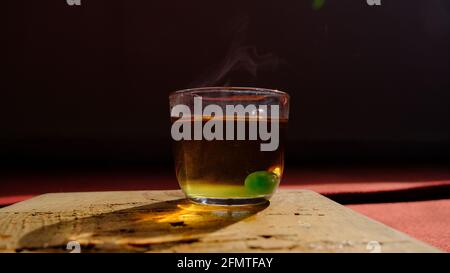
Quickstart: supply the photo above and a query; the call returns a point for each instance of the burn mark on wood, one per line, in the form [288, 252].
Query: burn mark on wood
[178, 224]
[127, 230]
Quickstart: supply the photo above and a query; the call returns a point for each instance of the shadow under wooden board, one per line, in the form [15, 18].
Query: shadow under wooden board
[163, 221]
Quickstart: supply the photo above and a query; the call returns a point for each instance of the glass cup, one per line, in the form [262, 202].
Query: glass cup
[228, 143]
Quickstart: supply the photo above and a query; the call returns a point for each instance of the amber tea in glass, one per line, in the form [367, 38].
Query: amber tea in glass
[229, 169]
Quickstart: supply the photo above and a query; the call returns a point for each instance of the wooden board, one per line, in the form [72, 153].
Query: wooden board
[163, 221]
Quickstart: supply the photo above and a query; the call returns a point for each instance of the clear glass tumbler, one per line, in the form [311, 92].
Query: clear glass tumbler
[228, 143]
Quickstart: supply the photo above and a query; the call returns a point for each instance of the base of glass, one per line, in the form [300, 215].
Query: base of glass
[229, 201]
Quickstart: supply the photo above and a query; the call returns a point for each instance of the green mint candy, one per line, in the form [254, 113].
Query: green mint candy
[261, 182]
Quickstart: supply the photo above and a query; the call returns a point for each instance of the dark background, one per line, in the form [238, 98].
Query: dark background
[87, 86]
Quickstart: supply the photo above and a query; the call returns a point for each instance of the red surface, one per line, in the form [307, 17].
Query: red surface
[428, 221]
[330, 181]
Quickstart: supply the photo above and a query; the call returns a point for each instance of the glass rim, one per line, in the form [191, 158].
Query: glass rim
[225, 89]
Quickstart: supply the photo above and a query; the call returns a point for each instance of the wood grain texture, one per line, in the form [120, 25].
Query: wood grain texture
[163, 221]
